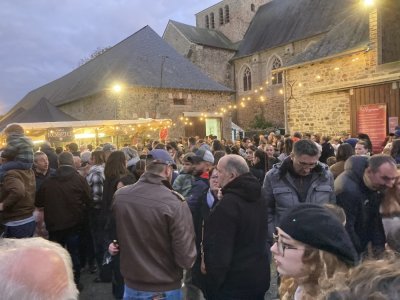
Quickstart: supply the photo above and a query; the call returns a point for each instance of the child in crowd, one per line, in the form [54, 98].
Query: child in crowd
[21, 147]
[183, 183]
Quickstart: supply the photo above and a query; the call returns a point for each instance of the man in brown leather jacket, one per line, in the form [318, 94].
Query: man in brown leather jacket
[155, 232]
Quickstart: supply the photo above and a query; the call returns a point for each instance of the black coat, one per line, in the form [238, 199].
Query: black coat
[235, 246]
[361, 205]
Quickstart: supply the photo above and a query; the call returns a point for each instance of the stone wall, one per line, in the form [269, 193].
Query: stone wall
[214, 63]
[176, 40]
[322, 89]
[269, 98]
[240, 16]
[150, 103]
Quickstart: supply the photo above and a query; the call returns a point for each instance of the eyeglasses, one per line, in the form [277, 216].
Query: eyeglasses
[306, 165]
[281, 246]
[214, 177]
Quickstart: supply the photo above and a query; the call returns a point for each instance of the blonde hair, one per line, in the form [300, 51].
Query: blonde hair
[390, 204]
[320, 268]
[373, 279]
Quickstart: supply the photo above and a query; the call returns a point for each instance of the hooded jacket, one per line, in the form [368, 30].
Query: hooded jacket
[361, 205]
[235, 248]
[281, 193]
[65, 198]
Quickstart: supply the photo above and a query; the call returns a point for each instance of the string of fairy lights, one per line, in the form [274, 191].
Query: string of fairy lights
[258, 94]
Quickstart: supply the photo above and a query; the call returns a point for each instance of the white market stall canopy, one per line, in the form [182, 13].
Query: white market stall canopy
[67, 131]
[95, 123]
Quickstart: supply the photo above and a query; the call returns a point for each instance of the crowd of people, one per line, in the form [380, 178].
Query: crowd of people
[208, 214]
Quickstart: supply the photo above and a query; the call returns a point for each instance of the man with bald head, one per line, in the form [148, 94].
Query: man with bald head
[35, 268]
[235, 252]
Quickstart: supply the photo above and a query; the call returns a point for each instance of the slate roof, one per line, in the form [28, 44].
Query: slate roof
[204, 36]
[350, 33]
[136, 61]
[280, 22]
[43, 111]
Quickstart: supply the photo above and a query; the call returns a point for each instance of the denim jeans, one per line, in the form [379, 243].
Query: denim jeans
[69, 239]
[22, 231]
[131, 294]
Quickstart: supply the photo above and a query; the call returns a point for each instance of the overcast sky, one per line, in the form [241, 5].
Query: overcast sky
[42, 40]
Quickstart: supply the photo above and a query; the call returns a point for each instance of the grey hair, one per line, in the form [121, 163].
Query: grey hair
[11, 253]
[236, 164]
[37, 154]
[378, 160]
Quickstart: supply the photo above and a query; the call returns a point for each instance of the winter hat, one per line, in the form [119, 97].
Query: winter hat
[352, 142]
[202, 155]
[397, 133]
[162, 156]
[314, 225]
[66, 158]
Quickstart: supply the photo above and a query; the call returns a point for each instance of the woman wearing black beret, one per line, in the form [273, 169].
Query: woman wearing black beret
[311, 246]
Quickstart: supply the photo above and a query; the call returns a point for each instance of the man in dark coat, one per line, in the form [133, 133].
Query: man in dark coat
[51, 155]
[65, 198]
[359, 190]
[235, 236]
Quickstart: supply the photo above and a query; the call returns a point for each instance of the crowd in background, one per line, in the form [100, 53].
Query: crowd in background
[282, 167]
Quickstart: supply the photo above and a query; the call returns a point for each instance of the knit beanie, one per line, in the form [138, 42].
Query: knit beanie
[66, 158]
[315, 226]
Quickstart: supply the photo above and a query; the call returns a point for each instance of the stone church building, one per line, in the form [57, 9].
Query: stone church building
[306, 65]
[155, 82]
[302, 65]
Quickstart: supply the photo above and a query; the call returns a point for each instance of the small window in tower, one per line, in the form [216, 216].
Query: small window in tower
[247, 79]
[207, 22]
[179, 101]
[221, 16]
[212, 20]
[277, 77]
[253, 7]
[226, 14]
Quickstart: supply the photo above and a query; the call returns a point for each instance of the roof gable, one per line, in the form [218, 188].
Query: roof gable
[43, 111]
[281, 22]
[203, 36]
[135, 61]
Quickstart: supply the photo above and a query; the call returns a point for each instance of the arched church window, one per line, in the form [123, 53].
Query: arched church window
[247, 79]
[226, 14]
[221, 16]
[277, 77]
[212, 20]
[207, 22]
[253, 7]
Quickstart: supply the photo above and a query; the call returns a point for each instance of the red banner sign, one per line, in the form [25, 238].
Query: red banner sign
[371, 119]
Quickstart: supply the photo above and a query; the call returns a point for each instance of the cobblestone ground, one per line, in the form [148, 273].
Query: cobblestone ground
[102, 291]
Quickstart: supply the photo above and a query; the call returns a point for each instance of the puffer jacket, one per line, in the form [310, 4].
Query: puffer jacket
[236, 255]
[361, 205]
[280, 191]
